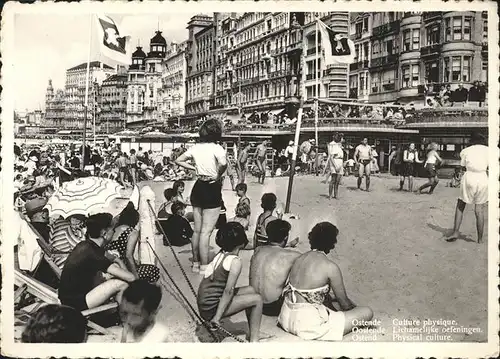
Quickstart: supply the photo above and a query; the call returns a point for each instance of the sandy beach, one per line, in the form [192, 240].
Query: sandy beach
[391, 252]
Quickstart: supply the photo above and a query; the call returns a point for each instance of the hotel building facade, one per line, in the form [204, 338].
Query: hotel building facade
[403, 56]
[113, 106]
[200, 64]
[173, 94]
[144, 85]
[74, 105]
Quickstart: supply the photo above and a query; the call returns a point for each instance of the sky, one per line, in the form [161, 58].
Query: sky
[45, 46]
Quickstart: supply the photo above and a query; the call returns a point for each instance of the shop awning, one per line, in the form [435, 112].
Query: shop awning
[64, 132]
[276, 112]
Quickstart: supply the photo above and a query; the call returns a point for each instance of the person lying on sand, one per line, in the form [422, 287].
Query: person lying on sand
[308, 310]
[270, 265]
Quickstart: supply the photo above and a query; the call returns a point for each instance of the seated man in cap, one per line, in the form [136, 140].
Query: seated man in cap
[39, 216]
[270, 265]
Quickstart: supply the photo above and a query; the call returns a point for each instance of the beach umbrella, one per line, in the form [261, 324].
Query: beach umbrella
[155, 134]
[90, 195]
[125, 133]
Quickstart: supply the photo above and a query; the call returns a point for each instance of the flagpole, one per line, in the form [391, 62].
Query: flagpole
[86, 104]
[298, 126]
[318, 90]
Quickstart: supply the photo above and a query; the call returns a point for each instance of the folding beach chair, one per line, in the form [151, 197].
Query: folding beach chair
[48, 295]
[47, 250]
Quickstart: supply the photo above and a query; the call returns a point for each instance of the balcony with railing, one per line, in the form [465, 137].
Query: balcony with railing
[313, 51]
[296, 46]
[278, 73]
[430, 50]
[359, 65]
[445, 117]
[388, 60]
[484, 46]
[432, 15]
[313, 76]
[386, 29]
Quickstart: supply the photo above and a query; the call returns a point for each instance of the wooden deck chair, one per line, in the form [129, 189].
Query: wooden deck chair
[47, 250]
[48, 295]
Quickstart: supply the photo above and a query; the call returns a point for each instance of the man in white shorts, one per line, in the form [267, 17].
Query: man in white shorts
[474, 186]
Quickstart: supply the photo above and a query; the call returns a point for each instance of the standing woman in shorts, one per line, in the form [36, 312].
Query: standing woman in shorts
[430, 166]
[209, 164]
[410, 159]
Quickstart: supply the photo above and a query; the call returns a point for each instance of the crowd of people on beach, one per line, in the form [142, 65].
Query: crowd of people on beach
[305, 291]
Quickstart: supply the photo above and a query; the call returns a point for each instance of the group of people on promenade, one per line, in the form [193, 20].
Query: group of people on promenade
[304, 290]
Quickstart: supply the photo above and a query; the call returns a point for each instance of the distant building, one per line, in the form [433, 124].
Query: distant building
[173, 78]
[200, 62]
[54, 108]
[257, 66]
[405, 56]
[332, 81]
[113, 106]
[74, 106]
[144, 85]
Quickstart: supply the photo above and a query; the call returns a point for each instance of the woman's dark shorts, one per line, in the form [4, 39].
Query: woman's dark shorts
[431, 170]
[409, 169]
[206, 195]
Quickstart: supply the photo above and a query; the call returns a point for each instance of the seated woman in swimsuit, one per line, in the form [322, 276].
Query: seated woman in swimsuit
[308, 312]
[165, 209]
[268, 204]
[125, 240]
[178, 188]
[217, 296]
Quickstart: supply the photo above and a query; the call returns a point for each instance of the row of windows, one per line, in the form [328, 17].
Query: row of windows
[455, 69]
[279, 63]
[262, 91]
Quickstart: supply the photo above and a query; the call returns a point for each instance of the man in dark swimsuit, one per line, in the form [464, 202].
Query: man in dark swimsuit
[270, 266]
[363, 157]
[241, 163]
[260, 156]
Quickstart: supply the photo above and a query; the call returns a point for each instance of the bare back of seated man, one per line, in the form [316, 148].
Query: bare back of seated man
[270, 266]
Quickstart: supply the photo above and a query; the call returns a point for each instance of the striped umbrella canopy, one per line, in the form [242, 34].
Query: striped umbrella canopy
[86, 196]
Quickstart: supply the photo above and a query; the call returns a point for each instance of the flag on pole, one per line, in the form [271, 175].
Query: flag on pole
[113, 44]
[337, 48]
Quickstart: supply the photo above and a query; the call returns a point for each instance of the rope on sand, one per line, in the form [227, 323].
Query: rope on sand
[206, 324]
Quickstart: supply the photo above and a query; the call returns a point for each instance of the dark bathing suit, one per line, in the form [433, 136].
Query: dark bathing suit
[148, 272]
[211, 289]
[260, 231]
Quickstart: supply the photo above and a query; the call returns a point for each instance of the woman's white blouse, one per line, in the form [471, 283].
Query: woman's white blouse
[208, 157]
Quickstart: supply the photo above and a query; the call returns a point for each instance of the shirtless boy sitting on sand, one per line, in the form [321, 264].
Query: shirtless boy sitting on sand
[270, 265]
